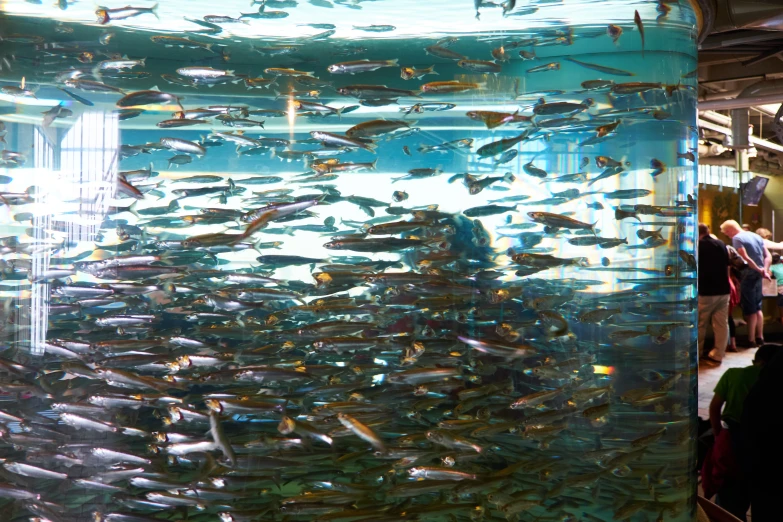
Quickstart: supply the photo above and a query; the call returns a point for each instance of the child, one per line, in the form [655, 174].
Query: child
[736, 265]
[777, 273]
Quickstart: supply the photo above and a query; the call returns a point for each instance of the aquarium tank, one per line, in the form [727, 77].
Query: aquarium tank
[347, 260]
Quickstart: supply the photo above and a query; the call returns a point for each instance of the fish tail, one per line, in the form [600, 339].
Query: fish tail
[132, 209]
[96, 72]
[392, 63]
[208, 47]
[509, 177]
[373, 164]
[154, 11]
[431, 70]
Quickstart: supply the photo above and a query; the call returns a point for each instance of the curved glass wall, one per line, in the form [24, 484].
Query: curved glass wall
[347, 260]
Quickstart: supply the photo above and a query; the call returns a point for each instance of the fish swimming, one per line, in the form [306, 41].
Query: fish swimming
[384, 298]
[639, 25]
[600, 68]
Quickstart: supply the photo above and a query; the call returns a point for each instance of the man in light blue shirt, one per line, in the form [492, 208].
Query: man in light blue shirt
[751, 248]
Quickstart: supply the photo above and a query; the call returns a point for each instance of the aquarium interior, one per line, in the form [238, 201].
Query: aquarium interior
[358, 260]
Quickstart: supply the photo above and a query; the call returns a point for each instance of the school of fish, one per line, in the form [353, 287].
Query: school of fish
[432, 365]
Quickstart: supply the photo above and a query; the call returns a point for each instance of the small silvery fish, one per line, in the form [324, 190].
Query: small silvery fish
[360, 66]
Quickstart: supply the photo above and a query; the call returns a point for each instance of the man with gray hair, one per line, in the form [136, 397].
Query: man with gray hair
[714, 292]
[751, 248]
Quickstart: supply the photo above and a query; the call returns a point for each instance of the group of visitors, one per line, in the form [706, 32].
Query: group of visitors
[746, 453]
[731, 276]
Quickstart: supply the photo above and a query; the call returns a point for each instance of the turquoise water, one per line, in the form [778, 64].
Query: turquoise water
[348, 296]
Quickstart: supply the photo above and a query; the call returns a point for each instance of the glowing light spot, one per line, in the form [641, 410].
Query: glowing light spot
[291, 113]
[604, 370]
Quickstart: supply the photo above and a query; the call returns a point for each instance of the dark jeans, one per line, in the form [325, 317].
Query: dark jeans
[750, 292]
[734, 495]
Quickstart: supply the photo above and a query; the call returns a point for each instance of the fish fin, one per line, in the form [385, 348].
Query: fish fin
[432, 70]
[373, 164]
[154, 11]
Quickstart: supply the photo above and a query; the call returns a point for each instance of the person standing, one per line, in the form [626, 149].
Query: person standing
[714, 293]
[751, 248]
[777, 272]
[726, 415]
[766, 235]
[736, 265]
[761, 450]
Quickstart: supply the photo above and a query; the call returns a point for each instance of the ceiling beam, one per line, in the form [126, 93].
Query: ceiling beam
[763, 56]
[722, 40]
[757, 142]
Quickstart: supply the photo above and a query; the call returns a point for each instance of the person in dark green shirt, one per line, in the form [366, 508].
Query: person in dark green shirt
[726, 409]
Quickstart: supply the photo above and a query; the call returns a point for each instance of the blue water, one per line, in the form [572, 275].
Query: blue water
[496, 304]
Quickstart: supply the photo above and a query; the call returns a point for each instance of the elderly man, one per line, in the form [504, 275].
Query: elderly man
[714, 291]
[751, 248]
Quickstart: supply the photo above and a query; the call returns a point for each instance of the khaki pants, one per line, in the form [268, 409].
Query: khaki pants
[714, 308]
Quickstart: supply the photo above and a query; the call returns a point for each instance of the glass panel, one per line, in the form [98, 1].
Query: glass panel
[348, 260]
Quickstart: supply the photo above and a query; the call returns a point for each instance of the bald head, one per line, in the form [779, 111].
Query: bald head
[731, 228]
